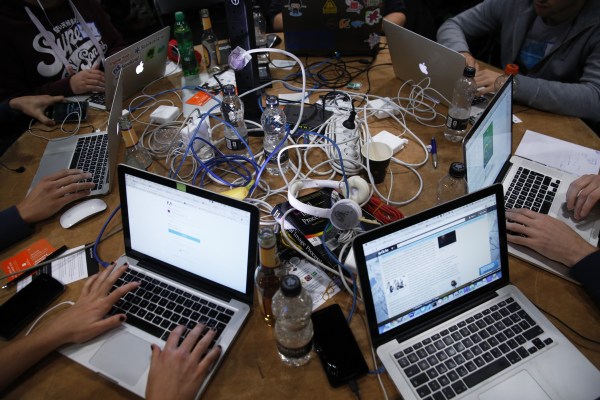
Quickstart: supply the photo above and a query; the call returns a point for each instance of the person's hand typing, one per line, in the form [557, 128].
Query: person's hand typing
[87, 319]
[485, 80]
[34, 106]
[177, 372]
[87, 80]
[52, 193]
[547, 235]
[583, 194]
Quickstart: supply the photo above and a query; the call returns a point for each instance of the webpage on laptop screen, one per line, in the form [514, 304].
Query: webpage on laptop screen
[189, 232]
[420, 268]
[489, 146]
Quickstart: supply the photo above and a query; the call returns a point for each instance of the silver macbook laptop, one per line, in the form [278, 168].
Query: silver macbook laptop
[97, 152]
[415, 58]
[178, 243]
[444, 318]
[149, 57]
[488, 157]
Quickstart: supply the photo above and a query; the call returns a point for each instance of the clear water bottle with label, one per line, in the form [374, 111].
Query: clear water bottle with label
[292, 308]
[232, 110]
[273, 121]
[453, 185]
[460, 108]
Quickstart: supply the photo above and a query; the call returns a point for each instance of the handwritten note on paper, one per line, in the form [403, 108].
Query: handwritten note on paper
[560, 154]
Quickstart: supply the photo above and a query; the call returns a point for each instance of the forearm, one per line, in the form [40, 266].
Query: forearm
[575, 99]
[21, 354]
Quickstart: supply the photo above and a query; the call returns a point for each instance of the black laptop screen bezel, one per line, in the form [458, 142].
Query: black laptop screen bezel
[176, 273]
[444, 312]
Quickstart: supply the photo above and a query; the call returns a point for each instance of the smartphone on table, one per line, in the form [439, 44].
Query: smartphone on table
[336, 346]
[68, 111]
[24, 306]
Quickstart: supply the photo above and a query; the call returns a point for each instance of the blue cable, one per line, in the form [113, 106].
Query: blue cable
[338, 262]
[378, 371]
[97, 241]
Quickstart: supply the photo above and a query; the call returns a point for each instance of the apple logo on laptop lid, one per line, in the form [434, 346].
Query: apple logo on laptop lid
[423, 68]
[139, 68]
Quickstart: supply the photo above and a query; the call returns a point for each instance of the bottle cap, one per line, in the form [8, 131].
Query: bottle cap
[457, 170]
[469, 72]
[291, 286]
[272, 101]
[179, 16]
[228, 90]
[204, 13]
[511, 69]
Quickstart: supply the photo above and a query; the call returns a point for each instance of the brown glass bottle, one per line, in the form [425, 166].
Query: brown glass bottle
[269, 272]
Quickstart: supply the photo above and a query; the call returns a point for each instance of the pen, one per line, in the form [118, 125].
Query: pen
[32, 270]
[434, 152]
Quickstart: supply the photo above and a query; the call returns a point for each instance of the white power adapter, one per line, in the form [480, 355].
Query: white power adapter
[164, 114]
[188, 131]
[391, 140]
[384, 107]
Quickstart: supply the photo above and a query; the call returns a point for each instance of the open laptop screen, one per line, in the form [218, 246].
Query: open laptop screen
[196, 231]
[488, 145]
[430, 264]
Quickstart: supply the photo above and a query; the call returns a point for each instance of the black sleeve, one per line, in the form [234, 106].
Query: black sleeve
[12, 227]
[587, 271]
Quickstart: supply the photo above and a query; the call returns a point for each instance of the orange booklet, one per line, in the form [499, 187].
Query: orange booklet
[27, 258]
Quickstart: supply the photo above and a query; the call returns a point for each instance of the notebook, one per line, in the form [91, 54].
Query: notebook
[487, 151]
[97, 152]
[332, 27]
[414, 58]
[150, 58]
[445, 320]
[178, 243]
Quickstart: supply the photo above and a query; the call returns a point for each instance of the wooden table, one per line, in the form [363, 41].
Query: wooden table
[252, 369]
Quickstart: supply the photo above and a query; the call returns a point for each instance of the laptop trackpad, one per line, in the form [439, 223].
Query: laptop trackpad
[123, 356]
[519, 386]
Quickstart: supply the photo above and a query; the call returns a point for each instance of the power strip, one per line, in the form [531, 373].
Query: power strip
[348, 142]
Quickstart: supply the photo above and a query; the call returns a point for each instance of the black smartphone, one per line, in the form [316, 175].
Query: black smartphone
[68, 112]
[336, 346]
[27, 304]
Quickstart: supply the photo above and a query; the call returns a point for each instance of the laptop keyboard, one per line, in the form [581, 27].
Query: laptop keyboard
[532, 190]
[91, 155]
[469, 352]
[97, 98]
[157, 308]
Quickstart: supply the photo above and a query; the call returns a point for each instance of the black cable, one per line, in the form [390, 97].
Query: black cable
[567, 326]
[354, 388]
[18, 170]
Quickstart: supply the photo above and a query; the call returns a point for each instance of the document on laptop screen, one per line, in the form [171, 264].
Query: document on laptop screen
[422, 267]
[190, 232]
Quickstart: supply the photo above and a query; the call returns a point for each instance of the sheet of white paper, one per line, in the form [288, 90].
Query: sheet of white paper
[316, 282]
[560, 154]
[67, 269]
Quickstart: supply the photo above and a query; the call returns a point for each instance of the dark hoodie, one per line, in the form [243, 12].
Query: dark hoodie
[30, 66]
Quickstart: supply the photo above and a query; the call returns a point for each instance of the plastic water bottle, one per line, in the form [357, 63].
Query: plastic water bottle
[260, 27]
[232, 110]
[292, 308]
[460, 108]
[185, 47]
[510, 69]
[452, 185]
[273, 122]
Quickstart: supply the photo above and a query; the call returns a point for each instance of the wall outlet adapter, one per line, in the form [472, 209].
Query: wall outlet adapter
[383, 107]
[164, 114]
[391, 140]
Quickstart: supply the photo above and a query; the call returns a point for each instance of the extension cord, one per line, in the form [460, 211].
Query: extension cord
[348, 142]
[385, 107]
